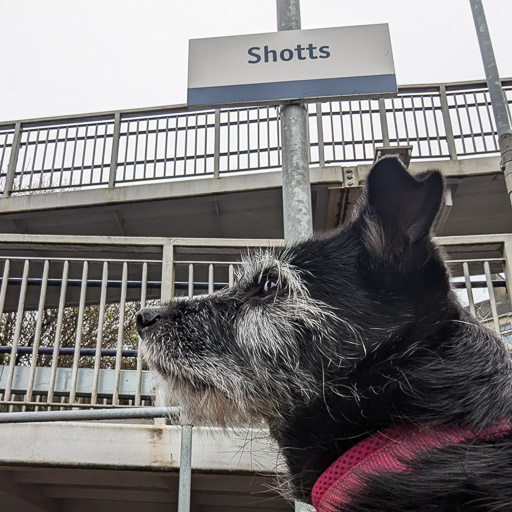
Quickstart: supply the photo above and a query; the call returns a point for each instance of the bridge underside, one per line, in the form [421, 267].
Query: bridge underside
[247, 206]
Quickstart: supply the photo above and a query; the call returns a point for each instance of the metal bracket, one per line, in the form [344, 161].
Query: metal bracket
[350, 177]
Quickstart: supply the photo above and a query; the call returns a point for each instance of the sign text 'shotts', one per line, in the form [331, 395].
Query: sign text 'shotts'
[266, 54]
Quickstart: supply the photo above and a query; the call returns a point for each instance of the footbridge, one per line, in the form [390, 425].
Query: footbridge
[216, 173]
[106, 213]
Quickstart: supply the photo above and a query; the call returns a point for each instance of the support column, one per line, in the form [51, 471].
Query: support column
[499, 105]
[297, 210]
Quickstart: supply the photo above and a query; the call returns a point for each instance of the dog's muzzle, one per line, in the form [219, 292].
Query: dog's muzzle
[149, 316]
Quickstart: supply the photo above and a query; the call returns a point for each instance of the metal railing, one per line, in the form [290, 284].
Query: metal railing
[68, 306]
[444, 121]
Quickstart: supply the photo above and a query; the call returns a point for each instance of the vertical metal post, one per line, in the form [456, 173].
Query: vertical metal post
[115, 150]
[13, 160]
[383, 122]
[185, 469]
[448, 128]
[297, 211]
[499, 106]
[216, 146]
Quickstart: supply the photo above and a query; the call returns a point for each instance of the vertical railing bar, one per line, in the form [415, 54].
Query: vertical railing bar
[78, 336]
[3, 293]
[157, 136]
[352, 133]
[52, 168]
[166, 146]
[479, 117]
[469, 288]
[93, 158]
[5, 138]
[413, 110]
[383, 122]
[13, 160]
[229, 139]
[103, 150]
[185, 147]
[406, 128]
[448, 128]
[258, 138]
[37, 333]
[62, 161]
[190, 280]
[470, 122]
[72, 166]
[363, 136]
[427, 130]
[146, 144]
[395, 119]
[279, 163]
[185, 476]
[204, 153]
[333, 138]
[238, 139]
[210, 279]
[176, 134]
[25, 153]
[43, 166]
[372, 129]
[320, 134]
[462, 135]
[196, 130]
[143, 295]
[125, 163]
[492, 298]
[82, 165]
[99, 336]
[490, 118]
[5, 282]
[438, 135]
[58, 331]
[231, 275]
[17, 331]
[120, 335]
[136, 149]
[269, 144]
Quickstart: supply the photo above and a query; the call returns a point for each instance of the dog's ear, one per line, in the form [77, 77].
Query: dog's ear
[402, 204]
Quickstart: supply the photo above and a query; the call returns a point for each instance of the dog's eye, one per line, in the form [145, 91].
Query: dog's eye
[269, 287]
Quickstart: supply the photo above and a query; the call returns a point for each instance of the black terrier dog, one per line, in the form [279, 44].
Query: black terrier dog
[383, 393]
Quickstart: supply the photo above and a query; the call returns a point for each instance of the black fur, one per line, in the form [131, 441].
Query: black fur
[418, 357]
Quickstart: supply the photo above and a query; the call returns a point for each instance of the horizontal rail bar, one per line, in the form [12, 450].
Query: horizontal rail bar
[67, 351]
[89, 415]
[182, 285]
[96, 283]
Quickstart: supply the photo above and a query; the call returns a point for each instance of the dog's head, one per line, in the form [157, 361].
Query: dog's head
[299, 322]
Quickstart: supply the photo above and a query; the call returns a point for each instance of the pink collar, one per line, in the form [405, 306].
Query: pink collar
[389, 451]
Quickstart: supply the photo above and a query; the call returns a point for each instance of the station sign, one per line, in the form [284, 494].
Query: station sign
[317, 64]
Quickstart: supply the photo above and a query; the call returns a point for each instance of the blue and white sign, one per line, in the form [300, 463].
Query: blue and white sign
[296, 64]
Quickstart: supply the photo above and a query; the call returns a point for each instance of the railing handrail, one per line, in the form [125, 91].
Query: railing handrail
[184, 108]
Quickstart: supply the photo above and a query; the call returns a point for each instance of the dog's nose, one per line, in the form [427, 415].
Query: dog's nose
[147, 317]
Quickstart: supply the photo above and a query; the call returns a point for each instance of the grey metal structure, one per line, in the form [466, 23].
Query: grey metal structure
[116, 149]
[121, 274]
[297, 210]
[499, 105]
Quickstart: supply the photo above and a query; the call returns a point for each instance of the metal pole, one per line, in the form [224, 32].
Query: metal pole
[185, 469]
[297, 211]
[88, 414]
[499, 105]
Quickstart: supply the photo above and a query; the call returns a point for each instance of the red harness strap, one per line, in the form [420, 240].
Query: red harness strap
[389, 451]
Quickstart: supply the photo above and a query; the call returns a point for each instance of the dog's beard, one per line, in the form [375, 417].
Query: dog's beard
[259, 374]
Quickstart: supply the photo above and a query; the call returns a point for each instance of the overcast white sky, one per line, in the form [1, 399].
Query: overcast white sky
[74, 56]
